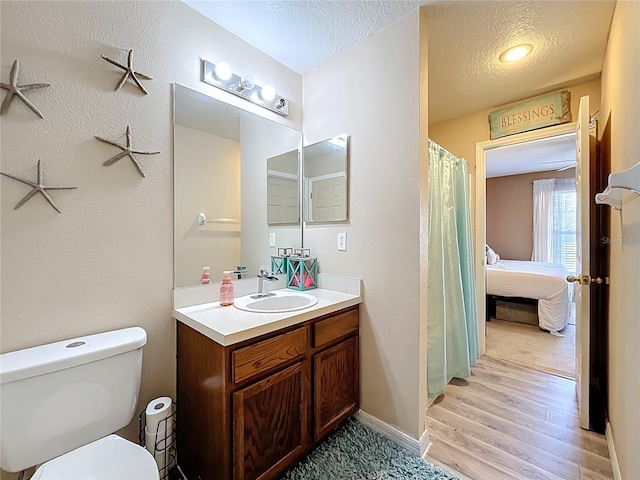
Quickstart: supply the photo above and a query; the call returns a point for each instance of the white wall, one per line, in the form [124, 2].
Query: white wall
[106, 261]
[620, 107]
[324, 164]
[371, 92]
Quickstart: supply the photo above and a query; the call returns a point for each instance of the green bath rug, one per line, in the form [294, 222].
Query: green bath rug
[355, 452]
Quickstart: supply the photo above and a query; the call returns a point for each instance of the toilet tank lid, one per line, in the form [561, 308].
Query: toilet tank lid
[52, 357]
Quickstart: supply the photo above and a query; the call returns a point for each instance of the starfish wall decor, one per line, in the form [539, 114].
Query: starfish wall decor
[15, 90]
[129, 73]
[127, 151]
[38, 187]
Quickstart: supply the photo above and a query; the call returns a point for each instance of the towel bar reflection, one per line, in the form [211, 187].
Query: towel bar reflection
[201, 218]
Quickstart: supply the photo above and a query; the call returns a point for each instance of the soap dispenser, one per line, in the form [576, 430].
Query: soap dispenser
[205, 279]
[226, 290]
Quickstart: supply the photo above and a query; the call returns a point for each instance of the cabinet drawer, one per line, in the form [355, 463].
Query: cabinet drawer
[338, 326]
[265, 355]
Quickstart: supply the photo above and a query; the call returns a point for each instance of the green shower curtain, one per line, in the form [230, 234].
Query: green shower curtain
[452, 339]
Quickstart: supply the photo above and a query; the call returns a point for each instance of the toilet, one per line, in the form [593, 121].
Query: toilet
[61, 403]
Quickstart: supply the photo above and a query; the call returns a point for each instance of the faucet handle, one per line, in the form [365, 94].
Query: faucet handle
[264, 271]
[266, 274]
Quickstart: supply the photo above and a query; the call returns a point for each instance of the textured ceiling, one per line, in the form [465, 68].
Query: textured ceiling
[465, 39]
[303, 34]
[536, 156]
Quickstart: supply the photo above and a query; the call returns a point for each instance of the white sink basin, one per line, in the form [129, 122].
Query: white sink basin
[277, 302]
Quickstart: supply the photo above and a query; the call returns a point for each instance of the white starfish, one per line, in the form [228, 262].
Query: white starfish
[38, 187]
[15, 90]
[128, 72]
[127, 151]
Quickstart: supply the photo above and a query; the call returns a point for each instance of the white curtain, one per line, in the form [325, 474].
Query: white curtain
[542, 220]
[554, 221]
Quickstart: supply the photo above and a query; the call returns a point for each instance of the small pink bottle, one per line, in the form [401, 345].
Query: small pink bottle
[226, 290]
[206, 276]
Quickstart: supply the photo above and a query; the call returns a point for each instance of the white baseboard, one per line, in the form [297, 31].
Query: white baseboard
[615, 466]
[418, 447]
[425, 443]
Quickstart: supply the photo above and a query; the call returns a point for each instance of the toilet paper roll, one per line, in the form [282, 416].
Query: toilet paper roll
[158, 410]
[157, 443]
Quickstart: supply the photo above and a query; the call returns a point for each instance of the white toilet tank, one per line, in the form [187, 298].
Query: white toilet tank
[60, 396]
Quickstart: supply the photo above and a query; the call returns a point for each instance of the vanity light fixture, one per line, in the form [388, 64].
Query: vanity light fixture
[221, 76]
[515, 53]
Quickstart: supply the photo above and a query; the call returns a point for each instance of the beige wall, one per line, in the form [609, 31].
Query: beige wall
[384, 210]
[460, 135]
[620, 107]
[106, 261]
[510, 213]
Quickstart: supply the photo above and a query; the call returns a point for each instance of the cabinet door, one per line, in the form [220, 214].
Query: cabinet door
[336, 385]
[270, 423]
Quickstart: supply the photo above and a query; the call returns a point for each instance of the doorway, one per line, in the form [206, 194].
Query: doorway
[530, 206]
[480, 240]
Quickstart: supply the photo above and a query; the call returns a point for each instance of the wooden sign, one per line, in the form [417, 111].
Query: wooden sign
[553, 109]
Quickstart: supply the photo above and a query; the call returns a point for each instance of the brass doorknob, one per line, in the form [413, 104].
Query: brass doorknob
[585, 279]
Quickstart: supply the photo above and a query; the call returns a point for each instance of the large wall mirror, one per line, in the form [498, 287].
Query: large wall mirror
[326, 180]
[224, 162]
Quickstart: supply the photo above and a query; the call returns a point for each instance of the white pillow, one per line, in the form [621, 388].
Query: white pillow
[492, 257]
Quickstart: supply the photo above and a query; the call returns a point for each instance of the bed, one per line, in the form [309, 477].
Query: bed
[545, 282]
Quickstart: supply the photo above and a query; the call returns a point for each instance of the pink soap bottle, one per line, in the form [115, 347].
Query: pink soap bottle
[226, 290]
[205, 279]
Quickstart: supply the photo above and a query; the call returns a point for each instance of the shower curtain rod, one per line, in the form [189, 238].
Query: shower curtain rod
[441, 147]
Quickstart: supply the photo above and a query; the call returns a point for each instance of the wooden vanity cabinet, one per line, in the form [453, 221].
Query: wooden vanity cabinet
[250, 410]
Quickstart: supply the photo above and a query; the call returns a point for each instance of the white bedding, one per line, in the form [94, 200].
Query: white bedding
[545, 282]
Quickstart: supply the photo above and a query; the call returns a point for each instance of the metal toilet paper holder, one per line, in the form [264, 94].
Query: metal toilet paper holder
[164, 451]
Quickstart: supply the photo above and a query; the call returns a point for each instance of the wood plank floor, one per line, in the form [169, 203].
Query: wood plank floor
[511, 422]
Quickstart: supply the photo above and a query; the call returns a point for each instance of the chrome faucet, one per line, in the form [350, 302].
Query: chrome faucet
[263, 286]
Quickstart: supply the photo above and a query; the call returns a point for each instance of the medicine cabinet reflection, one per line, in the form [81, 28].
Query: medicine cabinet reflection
[221, 163]
[325, 170]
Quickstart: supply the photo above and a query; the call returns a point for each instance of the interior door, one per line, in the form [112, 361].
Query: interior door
[582, 280]
[282, 200]
[329, 199]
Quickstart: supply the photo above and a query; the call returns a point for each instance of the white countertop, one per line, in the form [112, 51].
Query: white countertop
[229, 325]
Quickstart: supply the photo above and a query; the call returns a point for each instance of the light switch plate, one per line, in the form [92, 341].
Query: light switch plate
[342, 242]
[272, 239]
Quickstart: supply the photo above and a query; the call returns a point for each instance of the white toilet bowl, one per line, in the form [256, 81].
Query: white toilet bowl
[110, 458]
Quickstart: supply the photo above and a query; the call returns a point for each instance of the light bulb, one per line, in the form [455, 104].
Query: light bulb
[268, 93]
[516, 53]
[223, 71]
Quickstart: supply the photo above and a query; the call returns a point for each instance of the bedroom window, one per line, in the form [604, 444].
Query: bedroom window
[563, 248]
[554, 222]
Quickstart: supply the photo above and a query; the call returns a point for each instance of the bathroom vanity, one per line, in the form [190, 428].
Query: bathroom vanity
[258, 391]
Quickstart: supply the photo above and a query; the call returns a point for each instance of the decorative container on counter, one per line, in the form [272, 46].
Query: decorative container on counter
[302, 273]
[278, 265]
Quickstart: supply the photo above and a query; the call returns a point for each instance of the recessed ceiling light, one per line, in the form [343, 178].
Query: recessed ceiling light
[516, 53]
